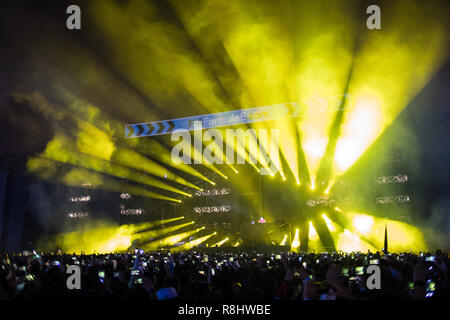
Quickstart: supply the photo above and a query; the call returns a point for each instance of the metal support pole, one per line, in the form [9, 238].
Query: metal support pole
[260, 196]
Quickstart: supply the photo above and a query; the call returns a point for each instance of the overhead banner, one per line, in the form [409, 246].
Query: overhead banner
[215, 120]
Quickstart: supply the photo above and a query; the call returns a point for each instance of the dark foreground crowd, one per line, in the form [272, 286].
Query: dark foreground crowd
[225, 276]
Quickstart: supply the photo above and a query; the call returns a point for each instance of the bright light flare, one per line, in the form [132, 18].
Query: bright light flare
[363, 223]
[329, 223]
[362, 127]
[218, 244]
[312, 235]
[401, 236]
[296, 242]
[172, 240]
[194, 243]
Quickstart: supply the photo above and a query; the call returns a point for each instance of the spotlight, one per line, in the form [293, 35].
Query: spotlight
[218, 244]
[363, 223]
[312, 232]
[284, 240]
[296, 242]
[328, 223]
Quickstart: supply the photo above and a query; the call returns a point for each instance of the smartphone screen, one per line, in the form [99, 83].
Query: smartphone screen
[359, 271]
[431, 286]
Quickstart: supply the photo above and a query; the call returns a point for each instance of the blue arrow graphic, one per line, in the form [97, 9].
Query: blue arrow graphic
[222, 119]
[146, 130]
[136, 130]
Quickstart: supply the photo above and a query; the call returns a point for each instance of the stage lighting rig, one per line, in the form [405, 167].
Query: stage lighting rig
[73, 215]
[393, 199]
[400, 178]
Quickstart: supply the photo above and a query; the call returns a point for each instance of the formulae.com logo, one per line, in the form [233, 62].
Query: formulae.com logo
[262, 146]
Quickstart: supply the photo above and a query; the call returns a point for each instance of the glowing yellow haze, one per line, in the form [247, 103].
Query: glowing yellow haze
[368, 233]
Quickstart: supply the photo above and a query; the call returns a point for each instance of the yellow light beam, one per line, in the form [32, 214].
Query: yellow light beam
[329, 223]
[172, 240]
[62, 149]
[132, 159]
[312, 235]
[381, 87]
[296, 242]
[218, 244]
[158, 151]
[91, 179]
[195, 242]
[143, 235]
